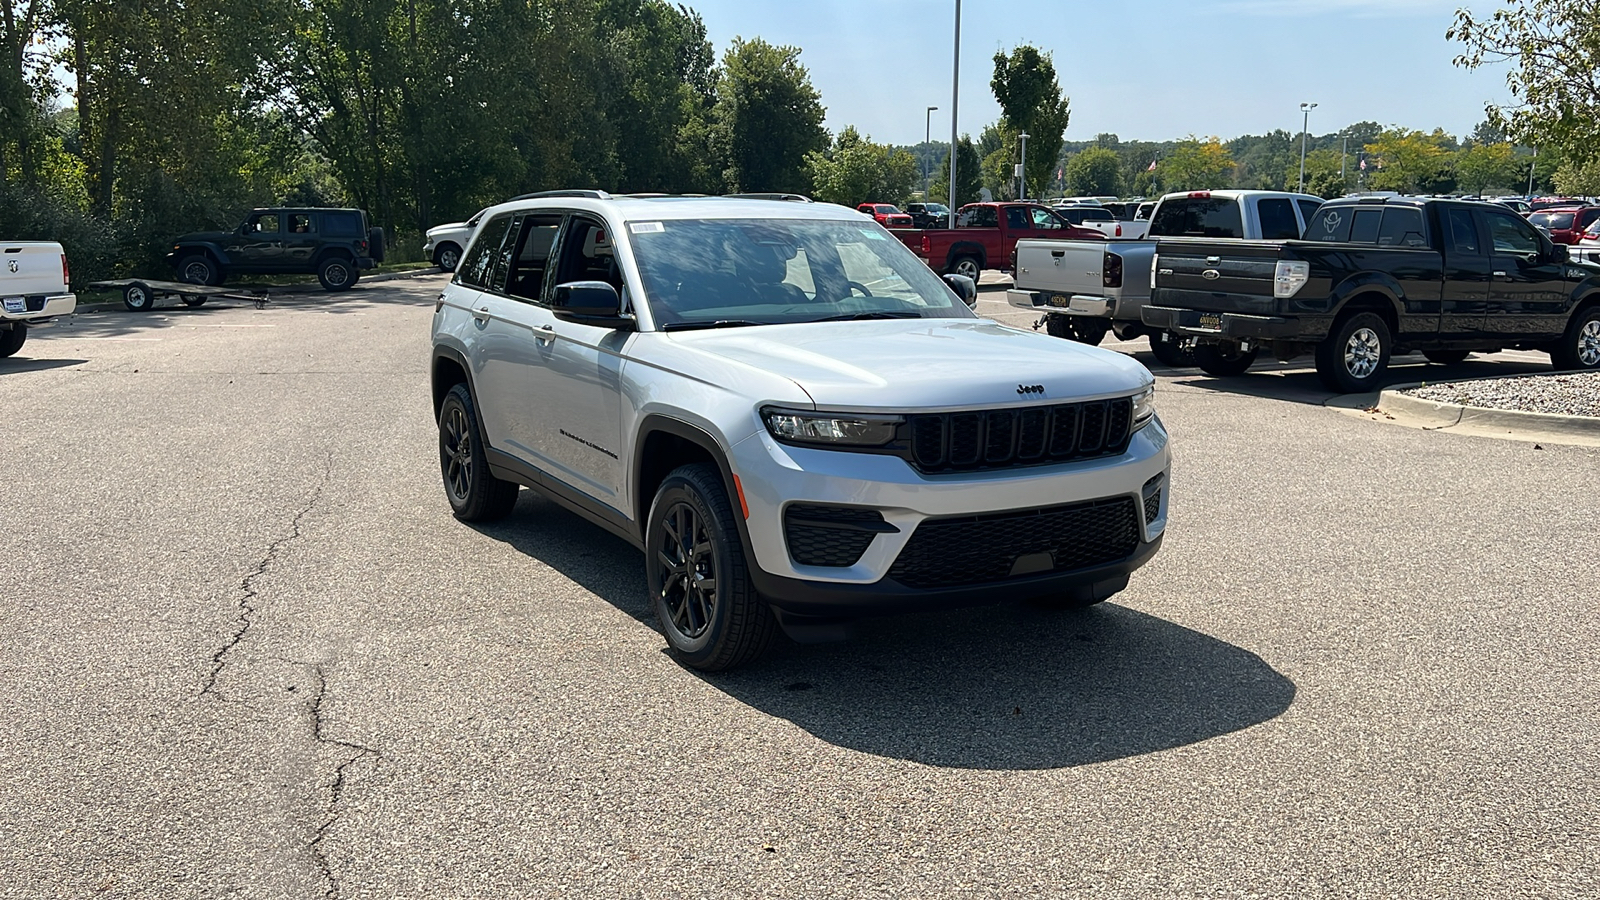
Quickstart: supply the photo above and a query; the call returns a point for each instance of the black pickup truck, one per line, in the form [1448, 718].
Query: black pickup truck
[1373, 277]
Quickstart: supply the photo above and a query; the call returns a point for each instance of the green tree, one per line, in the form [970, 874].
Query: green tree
[1095, 171]
[855, 170]
[969, 176]
[1407, 160]
[1031, 102]
[1554, 76]
[1483, 166]
[1323, 177]
[1196, 165]
[1578, 179]
[767, 117]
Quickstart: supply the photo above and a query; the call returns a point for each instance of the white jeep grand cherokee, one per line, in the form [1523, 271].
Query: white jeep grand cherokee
[791, 415]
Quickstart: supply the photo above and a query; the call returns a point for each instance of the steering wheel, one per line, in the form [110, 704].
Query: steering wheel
[856, 285]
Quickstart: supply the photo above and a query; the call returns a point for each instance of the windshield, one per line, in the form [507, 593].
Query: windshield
[886, 209]
[707, 273]
[1548, 221]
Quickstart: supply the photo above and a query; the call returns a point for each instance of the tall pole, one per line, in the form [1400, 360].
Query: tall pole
[1022, 175]
[927, 138]
[1305, 109]
[955, 105]
[1343, 149]
[1531, 167]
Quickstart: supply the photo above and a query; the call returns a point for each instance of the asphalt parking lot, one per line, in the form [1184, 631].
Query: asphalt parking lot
[248, 653]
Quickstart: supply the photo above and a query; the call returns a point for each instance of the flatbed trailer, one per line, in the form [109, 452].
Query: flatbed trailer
[141, 294]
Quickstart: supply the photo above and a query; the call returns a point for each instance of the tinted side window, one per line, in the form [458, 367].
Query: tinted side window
[1045, 219]
[1401, 228]
[479, 262]
[1277, 219]
[342, 224]
[1308, 209]
[525, 256]
[1364, 226]
[1509, 234]
[1331, 223]
[978, 217]
[1198, 217]
[1463, 233]
[1016, 217]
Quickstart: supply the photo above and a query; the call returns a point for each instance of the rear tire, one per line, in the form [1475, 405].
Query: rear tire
[1082, 329]
[1168, 350]
[1354, 357]
[1579, 349]
[1224, 360]
[475, 494]
[336, 274]
[699, 580]
[1445, 357]
[968, 266]
[11, 341]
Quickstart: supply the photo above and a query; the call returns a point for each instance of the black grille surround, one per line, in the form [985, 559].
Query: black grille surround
[971, 550]
[1007, 438]
[830, 535]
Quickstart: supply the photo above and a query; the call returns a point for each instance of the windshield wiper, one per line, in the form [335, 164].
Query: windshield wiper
[719, 323]
[880, 314]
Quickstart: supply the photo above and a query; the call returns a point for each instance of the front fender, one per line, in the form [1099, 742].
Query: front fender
[214, 250]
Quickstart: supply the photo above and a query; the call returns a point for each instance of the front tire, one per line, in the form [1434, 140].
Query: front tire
[11, 341]
[699, 580]
[968, 266]
[336, 274]
[1354, 357]
[1579, 349]
[447, 256]
[193, 300]
[1224, 360]
[1168, 350]
[474, 493]
[199, 269]
[1082, 329]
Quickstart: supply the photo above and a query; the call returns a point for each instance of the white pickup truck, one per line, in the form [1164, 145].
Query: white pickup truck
[1087, 288]
[33, 287]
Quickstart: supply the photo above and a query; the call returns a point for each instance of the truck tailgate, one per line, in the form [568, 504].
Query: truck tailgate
[1235, 276]
[31, 270]
[1061, 267]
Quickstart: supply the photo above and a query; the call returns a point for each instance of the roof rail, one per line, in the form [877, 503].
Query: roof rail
[586, 194]
[797, 198]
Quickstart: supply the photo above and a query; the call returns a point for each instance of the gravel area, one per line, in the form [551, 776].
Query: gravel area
[1574, 394]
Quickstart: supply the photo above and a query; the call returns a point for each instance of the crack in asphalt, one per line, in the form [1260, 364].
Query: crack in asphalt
[248, 593]
[357, 752]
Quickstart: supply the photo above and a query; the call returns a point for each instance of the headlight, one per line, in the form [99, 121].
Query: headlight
[1144, 407]
[1289, 277]
[830, 428]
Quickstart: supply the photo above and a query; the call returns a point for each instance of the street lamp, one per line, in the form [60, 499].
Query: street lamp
[1305, 123]
[927, 135]
[1022, 170]
[955, 106]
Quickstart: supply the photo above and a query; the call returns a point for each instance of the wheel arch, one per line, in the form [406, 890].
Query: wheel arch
[1370, 296]
[967, 248]
[448, 370]
[664, 444]
[210, 251]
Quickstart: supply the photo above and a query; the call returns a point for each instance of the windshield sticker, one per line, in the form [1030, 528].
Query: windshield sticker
[871, 235]
[646, 227]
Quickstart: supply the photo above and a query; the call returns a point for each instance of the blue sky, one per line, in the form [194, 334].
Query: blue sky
[1143, 69]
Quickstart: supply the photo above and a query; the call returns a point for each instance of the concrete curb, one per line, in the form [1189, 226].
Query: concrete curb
[1433, 414]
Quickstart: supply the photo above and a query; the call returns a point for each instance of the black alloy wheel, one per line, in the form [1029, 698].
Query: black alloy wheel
[699, 581]
[336, 274]
[475, 494]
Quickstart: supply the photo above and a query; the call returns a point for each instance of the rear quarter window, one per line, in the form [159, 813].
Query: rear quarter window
[1329, 224]
[342, 224]
[1197, 217]
[1402, 228]
[1277, 219]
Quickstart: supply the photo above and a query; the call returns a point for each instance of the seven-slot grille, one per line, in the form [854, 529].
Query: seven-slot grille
[1001, 438]
[980, 549]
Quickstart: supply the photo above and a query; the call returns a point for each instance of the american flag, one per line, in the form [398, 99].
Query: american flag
[1151, 167]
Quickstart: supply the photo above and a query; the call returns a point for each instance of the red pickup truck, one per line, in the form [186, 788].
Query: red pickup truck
[985, 234]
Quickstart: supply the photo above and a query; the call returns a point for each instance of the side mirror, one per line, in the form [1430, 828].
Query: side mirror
[589, 303]
[965, 287]
[1560, 253]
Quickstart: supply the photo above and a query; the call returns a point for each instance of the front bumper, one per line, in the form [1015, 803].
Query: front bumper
[1233, 326]
[38, 307]
[774, 476]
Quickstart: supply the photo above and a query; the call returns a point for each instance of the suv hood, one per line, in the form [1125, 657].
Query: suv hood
[923, 363]
[448, 226]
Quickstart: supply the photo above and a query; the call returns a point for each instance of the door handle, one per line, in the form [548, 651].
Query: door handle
[545, 334]
[1058, 253]
[481, 314]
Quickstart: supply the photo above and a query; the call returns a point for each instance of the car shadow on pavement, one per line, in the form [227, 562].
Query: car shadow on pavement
[1011, 686]
[1297, 383]
[19, 364]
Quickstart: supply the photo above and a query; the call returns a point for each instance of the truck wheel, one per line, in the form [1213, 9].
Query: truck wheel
[699, 580]
[1353, 358]
[475, 494]
[11, 340]
[138, 297]
[195, 299]
[1445, 357]
[1082, 329]
[1224, 360]
[968, 266]
[1169, 350]
[447, 256]
[1579, 348]
[336, 273]
[199, 269]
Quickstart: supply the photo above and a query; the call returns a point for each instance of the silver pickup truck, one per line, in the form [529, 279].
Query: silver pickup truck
[1088, 288]
[33, 288]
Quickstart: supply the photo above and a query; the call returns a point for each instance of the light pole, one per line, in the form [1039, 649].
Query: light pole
[1305, 123]
[927, 136]
[955, 105]
[1531, 166]
[1022, 170]
[1344, 147]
